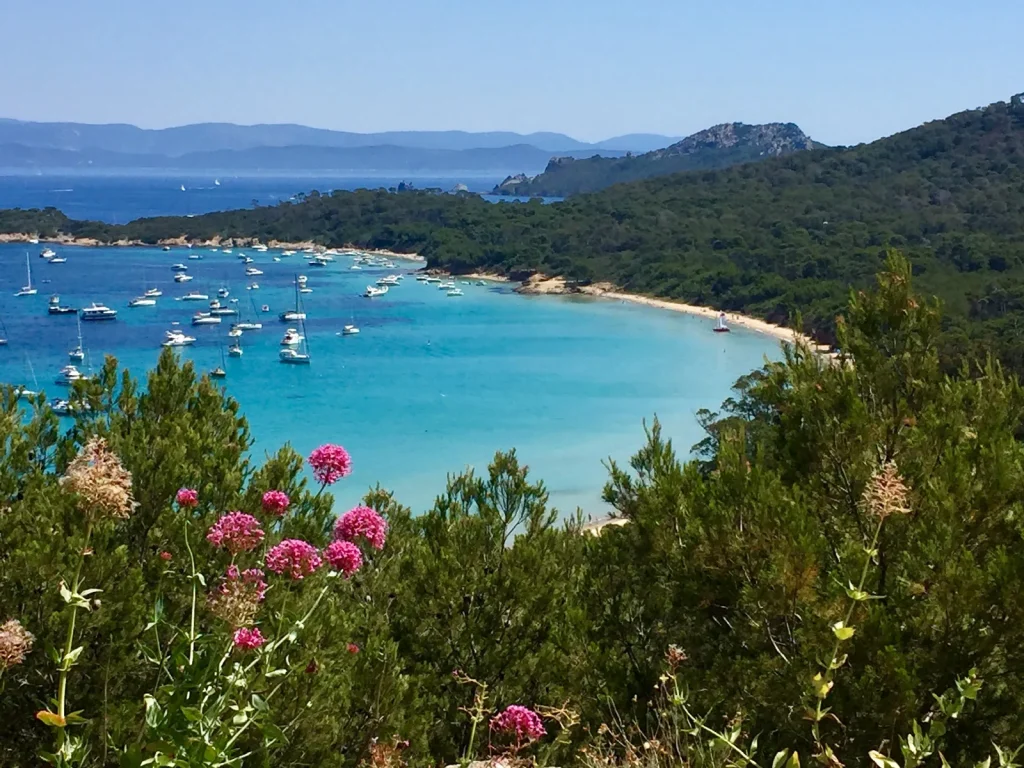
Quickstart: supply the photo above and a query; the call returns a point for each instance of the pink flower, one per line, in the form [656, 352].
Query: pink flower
[187, 498]
[165, 556]
[352, 648]
[365, 522]
[344, 556]
[276, 502]
[236, 532]
[248, 639]
[330, 463]
[521, 722]
[294, 556]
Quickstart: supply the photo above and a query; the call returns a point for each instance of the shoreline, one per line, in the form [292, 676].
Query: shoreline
[214, 242]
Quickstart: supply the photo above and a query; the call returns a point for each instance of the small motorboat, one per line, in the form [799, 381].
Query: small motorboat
[178, 267]
[47, 253]
[57, 260]
[153, 293]
[178, 339]
[223, 293]
[455, 292]
[142, 301]
[293, 356]
[253, 272]
[55, 307]
[194, 296]
[234, 333]
[292, 338]
[205, 318]
[218, 373]
[373, 291]
[265, 308]
[235, 350]
[181, 277]
[349, 330]
[68, 375]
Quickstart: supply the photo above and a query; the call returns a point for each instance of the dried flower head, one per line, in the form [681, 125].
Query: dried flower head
[187, 498]
[15, 643]
[239, 596]
[362, 522]
[236, 532]
[276, 502]
[248, 639]
[675, 656]
[330, 463]
[294, 557]
[103, 486]
[344, 556]
[886, 493]
[520, 722]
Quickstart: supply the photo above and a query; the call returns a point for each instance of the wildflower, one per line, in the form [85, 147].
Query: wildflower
[248, 639]
[187, 498]
[236, 532]
[103, 486]
[166, 556]
[295, 557]
[312, 668]
[276, 502]
[521, 722]
[365, 522]
[352, 648]
[15, 643]
[675, 656]
[330, 463]
[886, 493]
[239, 596]
[344, 556]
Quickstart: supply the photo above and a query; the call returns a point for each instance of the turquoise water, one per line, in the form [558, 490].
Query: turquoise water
[431, 385]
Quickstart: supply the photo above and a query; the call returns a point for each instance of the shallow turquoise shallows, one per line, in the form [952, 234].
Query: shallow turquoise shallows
[431, 385]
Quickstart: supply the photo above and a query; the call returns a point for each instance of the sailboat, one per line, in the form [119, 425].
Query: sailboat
[721, 327]
[77, 354]
[27, 290]
[219, 372]
[298, 356]
[292, 315]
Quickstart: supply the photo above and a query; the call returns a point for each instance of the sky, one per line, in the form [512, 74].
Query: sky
[846, 71]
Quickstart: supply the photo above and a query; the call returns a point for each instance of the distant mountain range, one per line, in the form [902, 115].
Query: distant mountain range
[213, 146]
[716, 147]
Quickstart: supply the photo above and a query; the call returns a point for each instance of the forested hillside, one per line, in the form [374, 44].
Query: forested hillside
[785, 237]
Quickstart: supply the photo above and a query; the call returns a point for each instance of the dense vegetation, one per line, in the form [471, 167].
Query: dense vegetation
[717, 147]
[781, 238]
[848, 543]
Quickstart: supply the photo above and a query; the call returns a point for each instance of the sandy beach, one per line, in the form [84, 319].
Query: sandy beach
[605, 291]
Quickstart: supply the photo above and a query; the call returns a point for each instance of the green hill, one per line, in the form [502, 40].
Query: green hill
[784, 236]
[717, 147]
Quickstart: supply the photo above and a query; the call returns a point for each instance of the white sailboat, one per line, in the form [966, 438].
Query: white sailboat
[27, 290]
[77, 354]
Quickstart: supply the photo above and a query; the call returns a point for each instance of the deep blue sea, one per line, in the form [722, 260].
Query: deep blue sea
[119, 199]
[431, 385]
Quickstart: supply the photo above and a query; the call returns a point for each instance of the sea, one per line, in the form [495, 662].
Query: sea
[120, 199]
[430, 386]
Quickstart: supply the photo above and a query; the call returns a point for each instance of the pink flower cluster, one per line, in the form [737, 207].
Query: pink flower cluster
[362, 522]
[187, 498]
[236, 532]
[295, 557]
[330, 463]
[344, 556]
[276, 502]
[248, 639]
[520, 722]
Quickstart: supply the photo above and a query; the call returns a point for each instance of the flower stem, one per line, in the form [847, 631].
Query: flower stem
[69, 640]
[192, 618]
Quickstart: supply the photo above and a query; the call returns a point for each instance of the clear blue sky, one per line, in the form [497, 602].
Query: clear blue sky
[845, 70]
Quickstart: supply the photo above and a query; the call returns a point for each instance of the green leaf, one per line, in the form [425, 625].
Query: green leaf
[192, 714]
[841, 631]
[72, 656]
[881, 760]
[66, 593]
[131, 757]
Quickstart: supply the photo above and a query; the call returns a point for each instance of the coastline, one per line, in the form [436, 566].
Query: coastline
[214, 242]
